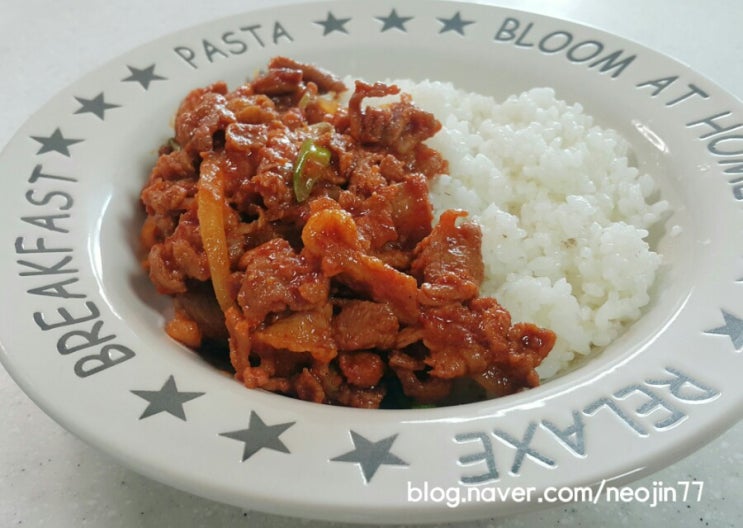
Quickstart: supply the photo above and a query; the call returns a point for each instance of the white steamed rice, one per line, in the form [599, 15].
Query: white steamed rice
[564, 214]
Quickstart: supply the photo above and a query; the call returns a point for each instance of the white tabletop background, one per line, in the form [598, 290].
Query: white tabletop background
[50, 478]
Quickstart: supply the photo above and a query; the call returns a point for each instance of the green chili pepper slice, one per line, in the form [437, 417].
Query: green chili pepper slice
[302, 183]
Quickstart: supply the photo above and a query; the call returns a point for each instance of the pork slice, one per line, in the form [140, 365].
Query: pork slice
[323, 79]
[412, 213]
[202, 114]
[278, 81]
[362, 325]
[448, 262]
[362, 369]
[401, 125]
[276, 279]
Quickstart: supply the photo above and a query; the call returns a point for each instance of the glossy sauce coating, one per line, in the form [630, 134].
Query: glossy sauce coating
[297, 235]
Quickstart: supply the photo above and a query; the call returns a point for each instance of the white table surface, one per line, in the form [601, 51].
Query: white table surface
[50, 478]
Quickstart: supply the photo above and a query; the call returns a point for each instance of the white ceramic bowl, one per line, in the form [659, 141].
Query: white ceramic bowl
[82, 332]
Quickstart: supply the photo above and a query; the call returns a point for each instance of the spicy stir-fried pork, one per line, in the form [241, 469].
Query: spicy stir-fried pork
[297, 233]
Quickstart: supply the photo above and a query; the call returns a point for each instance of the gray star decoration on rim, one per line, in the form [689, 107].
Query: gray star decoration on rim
[394, 21]
[259, 436]
[371, 455]
[96, 106]
[143, 76]
[168, 399]
[733, 328]
[55, 143]
[331, 24]
[455, 23]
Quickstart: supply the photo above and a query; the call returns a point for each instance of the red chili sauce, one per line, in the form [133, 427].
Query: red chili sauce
[295, 235]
